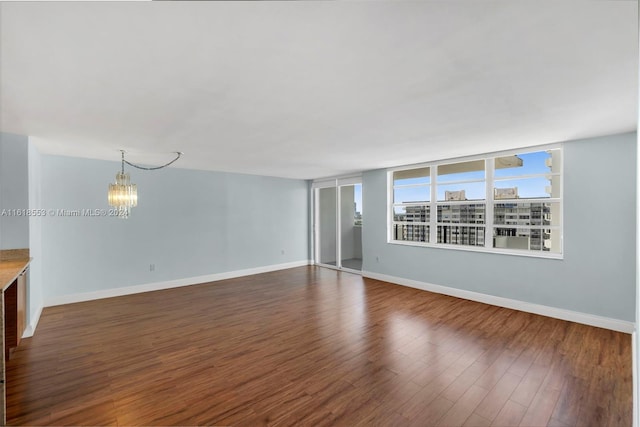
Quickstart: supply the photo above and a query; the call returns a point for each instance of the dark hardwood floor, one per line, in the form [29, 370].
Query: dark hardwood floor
[312, 346]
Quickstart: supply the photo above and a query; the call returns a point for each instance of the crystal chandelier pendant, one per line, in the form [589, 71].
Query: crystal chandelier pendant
[123, 195]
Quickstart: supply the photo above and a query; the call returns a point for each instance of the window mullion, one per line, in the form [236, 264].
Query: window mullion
[488, 217]
[433, 209]
[390, 207]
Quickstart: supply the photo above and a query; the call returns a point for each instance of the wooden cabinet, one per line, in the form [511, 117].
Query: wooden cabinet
[14, 265]
[10, 318]
[22, 304]
[15, 312]
[13, 302]
[3, 379]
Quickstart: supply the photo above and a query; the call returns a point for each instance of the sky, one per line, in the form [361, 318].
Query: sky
[358, 197]
[533, 163]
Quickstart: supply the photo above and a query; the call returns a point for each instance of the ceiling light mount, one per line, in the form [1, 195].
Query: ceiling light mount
[152, 168]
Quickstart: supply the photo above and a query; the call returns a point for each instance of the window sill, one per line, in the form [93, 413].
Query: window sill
[483, 250]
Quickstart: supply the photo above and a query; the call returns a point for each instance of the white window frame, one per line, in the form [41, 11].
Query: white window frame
[489, 203]
[393, 205]
[438, 203]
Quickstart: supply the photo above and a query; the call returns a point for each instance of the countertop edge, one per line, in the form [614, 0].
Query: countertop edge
[24, 263]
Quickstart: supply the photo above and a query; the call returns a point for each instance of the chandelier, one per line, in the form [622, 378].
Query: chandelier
[123, 195]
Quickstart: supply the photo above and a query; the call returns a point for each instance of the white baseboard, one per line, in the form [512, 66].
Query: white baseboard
[148, 287]
[558, 313]
[31, 327]
[634, 377]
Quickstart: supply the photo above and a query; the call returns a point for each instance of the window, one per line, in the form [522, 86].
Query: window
[461, 204]
[527, 202]
[411, 210]
[505, 203]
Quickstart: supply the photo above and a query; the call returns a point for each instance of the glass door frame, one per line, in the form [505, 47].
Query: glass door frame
[316, 186]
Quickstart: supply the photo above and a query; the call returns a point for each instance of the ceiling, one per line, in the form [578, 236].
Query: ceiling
[314, 89]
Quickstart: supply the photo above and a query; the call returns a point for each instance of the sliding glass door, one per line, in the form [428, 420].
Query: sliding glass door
[327, 227]
[338, 225]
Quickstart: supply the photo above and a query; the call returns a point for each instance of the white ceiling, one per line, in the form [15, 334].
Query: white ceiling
[314, 89]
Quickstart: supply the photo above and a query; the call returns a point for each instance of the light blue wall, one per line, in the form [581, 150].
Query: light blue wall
[188, 223]
[597, 274]
[14, 230]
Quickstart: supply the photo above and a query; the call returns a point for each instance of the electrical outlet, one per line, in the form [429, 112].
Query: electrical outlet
[282, 252]
[377, 259]
[152, 267]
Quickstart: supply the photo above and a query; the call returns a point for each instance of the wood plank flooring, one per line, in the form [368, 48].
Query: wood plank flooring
[312, 346]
